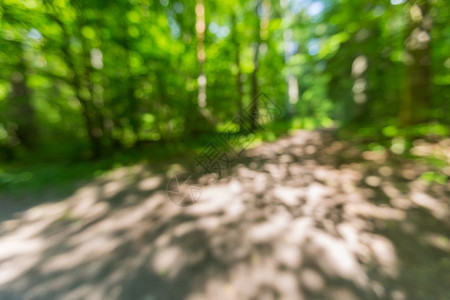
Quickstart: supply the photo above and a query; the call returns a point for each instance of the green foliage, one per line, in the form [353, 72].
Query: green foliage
[430, 177]
[83, 79]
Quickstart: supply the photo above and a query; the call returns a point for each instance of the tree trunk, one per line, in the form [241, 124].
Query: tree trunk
[237, 55]
[21, 110]
[416, 103]
[255, 89]
[200, 27]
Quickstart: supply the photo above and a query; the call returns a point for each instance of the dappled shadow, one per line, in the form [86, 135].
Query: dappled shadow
[306, 217]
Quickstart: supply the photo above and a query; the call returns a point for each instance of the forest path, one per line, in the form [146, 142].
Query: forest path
[305, 217]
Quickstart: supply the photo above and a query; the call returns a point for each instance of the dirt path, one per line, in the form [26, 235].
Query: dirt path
[307, 217]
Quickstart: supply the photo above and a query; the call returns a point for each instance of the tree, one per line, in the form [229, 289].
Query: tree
[417, 98]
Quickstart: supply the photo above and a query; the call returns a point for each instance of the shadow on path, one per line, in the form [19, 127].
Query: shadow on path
[306, 217]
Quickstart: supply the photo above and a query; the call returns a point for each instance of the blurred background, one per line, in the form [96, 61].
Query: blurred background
[87, 87]
[85, 79]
